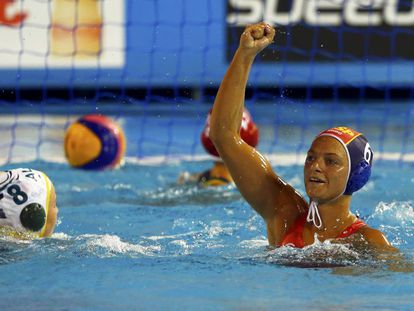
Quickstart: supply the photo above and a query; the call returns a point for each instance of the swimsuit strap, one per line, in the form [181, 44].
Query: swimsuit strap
[358, 224]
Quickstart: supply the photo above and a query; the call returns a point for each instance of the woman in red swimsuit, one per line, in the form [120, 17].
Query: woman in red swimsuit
[338, 163]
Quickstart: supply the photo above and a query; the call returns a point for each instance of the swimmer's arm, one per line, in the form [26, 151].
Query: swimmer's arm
[229, 103]
[254, 177]
[384, 251]
[251, 171]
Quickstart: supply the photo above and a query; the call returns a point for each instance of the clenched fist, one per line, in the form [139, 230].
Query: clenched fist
[256, 37]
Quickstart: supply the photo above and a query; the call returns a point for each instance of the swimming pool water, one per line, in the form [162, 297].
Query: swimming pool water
[132, 239]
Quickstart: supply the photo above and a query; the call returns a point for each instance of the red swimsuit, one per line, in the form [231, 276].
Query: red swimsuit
[294, 236]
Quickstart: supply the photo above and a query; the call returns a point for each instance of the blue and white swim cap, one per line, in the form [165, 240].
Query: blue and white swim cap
[359, 154]
[24, 200]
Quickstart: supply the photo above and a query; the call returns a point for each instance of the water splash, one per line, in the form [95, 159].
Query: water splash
[111, 245]
[101, 246]
[396, 220]
[318, 255]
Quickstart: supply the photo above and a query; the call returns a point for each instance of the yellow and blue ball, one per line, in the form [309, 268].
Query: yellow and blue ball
[94, 142]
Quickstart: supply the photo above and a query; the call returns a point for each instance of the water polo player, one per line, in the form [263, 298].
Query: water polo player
[219, 175]
[338, 163]
[27, 203]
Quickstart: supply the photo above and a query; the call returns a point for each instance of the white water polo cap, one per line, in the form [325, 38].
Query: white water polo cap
[24, 200]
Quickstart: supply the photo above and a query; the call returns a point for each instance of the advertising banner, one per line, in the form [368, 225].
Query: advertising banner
[62, 33]
[329, 30]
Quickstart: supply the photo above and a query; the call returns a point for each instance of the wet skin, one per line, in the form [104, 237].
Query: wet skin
[326, 169]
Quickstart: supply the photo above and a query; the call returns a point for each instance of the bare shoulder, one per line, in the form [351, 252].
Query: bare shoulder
[374, 237]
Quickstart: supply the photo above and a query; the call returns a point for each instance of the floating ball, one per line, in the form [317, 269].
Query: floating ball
[94, 142]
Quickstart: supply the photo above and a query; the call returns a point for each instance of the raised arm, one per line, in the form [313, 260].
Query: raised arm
[251, 171]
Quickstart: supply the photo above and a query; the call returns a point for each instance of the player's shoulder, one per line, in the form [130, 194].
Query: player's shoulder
[374, 236]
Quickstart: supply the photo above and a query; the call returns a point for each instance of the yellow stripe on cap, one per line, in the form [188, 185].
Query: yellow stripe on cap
[353, 138]
[48, 191]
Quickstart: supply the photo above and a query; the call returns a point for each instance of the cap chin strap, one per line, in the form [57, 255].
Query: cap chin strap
[313, 212]
[313, 215]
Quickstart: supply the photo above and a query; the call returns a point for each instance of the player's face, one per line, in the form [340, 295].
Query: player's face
[326, 169]
[52, 214]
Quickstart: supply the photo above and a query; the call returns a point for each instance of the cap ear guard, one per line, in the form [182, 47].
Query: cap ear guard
[359, 177]
[33, 217]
